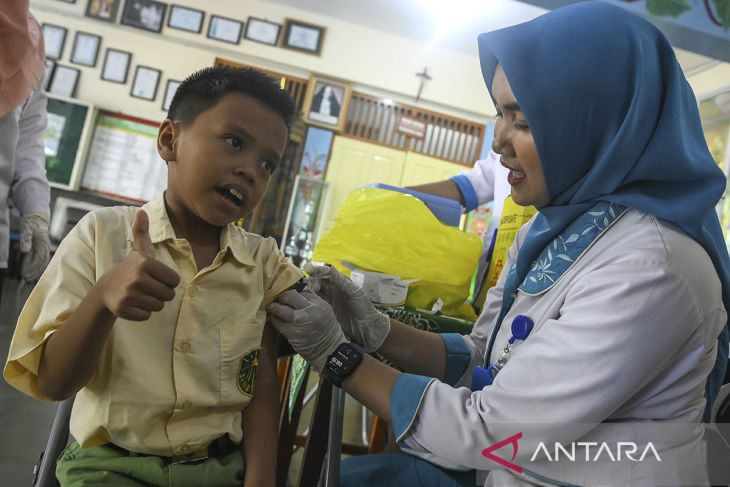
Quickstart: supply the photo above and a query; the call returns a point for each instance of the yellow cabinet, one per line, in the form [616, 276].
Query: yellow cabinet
[420, 169]
[353, 164]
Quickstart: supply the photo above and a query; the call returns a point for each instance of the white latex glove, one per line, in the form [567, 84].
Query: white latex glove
[359, 319]
[308, 323]
[36, 244]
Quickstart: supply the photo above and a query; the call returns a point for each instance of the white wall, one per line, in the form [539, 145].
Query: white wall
[711, 81]
[377, 63]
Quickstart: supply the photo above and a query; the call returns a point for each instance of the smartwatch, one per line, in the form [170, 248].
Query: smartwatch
[343, 362]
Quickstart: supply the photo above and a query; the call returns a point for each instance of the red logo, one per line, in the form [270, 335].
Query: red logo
[487, 452]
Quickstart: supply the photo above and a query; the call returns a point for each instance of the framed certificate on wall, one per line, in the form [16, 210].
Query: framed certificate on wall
[145, 83]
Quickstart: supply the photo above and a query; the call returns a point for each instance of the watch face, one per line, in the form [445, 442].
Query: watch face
[344, 360]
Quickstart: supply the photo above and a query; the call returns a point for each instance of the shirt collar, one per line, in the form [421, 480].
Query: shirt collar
[232, 239]
[160, 226]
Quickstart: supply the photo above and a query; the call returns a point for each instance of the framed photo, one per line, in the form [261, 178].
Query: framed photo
[263, 31]
[224, 29]
[64, 81]
[54, 37]
[303, 37]
[86, 49]
[103, 9]
[116, 65]
[184, 18]
[144, 14]
[170, 90]
[145, 83]
[326, 103]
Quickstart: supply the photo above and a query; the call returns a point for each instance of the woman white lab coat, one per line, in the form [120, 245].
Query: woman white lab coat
[613, 373]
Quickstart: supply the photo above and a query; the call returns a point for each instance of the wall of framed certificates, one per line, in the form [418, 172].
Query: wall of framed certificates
[96, 44]
[177, 37]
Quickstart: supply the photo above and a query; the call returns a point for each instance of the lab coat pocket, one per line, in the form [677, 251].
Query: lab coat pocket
[240, 344]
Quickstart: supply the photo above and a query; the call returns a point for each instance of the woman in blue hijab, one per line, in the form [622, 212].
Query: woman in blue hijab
[608, 326]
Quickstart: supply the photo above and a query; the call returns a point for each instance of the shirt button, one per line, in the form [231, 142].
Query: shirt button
[185, 448]
[192, 291]
[187, 405]
[185, 347]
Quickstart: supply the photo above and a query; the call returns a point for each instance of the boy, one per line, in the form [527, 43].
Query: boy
[154, 318]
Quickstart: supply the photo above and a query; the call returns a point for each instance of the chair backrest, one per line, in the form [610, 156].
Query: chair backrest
[45, 469]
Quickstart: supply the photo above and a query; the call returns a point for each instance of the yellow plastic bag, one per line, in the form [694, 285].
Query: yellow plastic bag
[395, 233]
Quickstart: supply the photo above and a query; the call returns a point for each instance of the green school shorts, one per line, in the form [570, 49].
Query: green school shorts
[105, 466]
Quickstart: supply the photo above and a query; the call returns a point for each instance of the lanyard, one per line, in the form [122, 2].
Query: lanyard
[521, 327]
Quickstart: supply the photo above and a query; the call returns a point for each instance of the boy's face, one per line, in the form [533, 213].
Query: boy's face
[219, 166]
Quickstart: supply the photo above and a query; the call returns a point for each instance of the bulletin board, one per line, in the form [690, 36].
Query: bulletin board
[66, 139]
[123, 161]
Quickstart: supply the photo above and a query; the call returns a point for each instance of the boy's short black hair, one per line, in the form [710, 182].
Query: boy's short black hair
[203, 89]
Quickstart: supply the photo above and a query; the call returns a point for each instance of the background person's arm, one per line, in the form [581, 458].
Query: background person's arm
[30, 191]
[472, 187]
[446, 189]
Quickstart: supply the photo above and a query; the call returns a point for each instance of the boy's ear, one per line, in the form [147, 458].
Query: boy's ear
[167, 140]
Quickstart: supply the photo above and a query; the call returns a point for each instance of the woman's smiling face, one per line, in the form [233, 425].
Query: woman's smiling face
[513, 141]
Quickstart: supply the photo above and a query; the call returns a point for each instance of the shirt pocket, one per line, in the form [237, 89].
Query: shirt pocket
[240, 345]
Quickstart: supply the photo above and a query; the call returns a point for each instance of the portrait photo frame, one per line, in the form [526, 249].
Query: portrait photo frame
[326, 102]
[170, 89]
[186, 19]
[64, 81]
[225, 29]
[262, 31]
[303, 37]
[145, 84]
[147, 15]
[105, 10]
[85, 49]
[54, 37]
[116, 65]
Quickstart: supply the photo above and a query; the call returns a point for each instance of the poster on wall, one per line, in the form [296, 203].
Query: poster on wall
[123, 159]
[316, 153]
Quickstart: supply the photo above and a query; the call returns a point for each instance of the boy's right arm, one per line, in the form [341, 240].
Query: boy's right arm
[132, 290]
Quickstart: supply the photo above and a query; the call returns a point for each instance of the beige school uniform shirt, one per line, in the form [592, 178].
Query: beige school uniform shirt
[171, 384]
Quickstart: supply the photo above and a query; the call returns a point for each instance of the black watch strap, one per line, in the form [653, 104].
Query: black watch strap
[343, 362]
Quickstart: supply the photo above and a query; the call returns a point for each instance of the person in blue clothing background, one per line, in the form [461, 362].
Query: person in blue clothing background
[608, 323]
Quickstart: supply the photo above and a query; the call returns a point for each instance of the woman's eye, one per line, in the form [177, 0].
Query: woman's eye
[522, 127]
[233, 141]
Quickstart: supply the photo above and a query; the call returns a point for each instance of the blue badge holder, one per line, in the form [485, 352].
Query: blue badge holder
[482, 377]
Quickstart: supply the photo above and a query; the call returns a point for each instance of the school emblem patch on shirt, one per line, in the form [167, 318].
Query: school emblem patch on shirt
[247, 372]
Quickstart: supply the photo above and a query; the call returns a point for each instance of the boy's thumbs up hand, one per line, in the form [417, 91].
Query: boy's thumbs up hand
[140, 284]
[141, 233]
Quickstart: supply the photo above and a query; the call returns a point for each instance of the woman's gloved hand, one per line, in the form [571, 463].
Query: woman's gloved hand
[359, 319]
[35, 243]
[309, 324]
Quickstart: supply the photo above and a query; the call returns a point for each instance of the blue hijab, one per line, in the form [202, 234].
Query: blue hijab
[615, 120]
